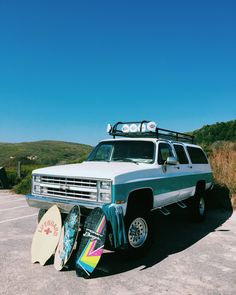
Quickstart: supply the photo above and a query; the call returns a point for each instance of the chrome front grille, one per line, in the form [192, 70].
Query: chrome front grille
[69, 181]
[71, 188]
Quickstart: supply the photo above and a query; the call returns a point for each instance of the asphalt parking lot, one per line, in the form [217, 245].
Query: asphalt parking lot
[186, 258]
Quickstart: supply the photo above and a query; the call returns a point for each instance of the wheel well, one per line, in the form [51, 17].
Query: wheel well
[140, 200]
[200, 186]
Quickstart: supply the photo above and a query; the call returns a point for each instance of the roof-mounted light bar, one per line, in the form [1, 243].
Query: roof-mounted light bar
[146, 129]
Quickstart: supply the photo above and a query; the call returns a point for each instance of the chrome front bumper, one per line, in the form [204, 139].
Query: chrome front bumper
[63, 204]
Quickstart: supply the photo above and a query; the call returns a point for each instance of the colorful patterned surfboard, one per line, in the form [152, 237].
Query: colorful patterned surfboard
[92, 243]
[68, 238]
[46, 236]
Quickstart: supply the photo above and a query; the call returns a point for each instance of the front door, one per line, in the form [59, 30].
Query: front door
[167, 185]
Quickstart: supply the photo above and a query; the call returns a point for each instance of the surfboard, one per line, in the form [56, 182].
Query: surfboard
[68, 238]
[92, 243]
[46, 236]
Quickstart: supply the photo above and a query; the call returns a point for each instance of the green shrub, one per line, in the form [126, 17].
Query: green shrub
[12, 177]
[24, 187]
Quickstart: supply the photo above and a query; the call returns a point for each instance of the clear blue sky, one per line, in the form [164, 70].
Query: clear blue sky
[67, 68]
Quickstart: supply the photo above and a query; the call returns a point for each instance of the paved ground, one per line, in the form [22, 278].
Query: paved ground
[186, 258]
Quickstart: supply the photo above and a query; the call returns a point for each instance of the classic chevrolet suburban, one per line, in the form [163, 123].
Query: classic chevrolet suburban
[141, 168]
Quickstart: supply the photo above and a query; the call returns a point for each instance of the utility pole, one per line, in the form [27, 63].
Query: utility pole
[19, 169]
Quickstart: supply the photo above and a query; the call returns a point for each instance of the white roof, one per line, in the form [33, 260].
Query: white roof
[154, 140]
[130, 139]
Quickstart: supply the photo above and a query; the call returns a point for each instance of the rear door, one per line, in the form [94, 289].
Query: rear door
[200, 165]
[185, 171]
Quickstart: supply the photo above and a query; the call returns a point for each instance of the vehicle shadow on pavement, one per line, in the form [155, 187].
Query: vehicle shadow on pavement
[172, 234]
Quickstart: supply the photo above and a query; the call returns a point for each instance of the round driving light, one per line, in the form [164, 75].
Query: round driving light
[125, 128]
[109, 128]
[151, 126]
[133, 128]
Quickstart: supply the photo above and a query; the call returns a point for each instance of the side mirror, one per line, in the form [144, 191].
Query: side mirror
[172, 161]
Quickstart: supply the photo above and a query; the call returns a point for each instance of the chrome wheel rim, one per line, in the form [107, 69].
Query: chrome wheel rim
[201, 206]
[138, 232]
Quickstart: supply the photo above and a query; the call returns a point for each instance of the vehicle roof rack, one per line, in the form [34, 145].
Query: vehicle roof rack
[156, 132]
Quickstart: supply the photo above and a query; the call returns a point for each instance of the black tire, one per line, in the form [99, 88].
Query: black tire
[139, 234]
[41, 213]
[198, 206]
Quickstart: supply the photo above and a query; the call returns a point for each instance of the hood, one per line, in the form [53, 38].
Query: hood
[107, 170]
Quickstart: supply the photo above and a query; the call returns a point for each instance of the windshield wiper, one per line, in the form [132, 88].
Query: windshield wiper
[126, 160]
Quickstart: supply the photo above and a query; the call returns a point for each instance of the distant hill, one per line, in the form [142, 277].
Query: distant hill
[223, 131]
[42, 153]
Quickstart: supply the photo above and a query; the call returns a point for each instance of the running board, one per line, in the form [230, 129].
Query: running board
[164, 211]
[181, 205]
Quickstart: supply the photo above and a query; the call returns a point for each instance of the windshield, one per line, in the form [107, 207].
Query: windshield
[123, 151]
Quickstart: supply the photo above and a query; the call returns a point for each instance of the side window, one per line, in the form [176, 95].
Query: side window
[164, 152]
[182, 157]
[196, 155]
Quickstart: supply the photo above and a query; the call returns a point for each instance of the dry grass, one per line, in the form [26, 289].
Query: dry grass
[223, 161]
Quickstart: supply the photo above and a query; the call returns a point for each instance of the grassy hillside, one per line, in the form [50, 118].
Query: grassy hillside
[209, 134]
[42, 153]
[37, 154]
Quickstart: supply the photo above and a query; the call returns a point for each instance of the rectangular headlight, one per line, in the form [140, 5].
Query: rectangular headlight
[105, 185]
[37, 189]
[37, 178]
[105, 197]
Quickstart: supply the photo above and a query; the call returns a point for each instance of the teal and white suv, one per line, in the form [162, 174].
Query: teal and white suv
[141, 168]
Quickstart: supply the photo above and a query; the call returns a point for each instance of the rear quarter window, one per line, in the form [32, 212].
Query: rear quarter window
[196, 155]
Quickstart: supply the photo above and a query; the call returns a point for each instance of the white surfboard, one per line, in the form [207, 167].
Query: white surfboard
[58, 263]
[46, 236]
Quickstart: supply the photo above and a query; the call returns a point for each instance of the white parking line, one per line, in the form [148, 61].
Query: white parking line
[22, 217]
[8, 209]
[12, 201]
